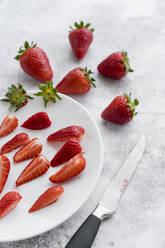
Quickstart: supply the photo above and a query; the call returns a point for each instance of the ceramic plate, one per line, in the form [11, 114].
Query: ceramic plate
[19, 224]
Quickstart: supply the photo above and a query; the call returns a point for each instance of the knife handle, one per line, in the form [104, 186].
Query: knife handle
[86, 233]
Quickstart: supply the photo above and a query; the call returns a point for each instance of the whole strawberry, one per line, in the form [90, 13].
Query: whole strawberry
[115, 66]
[34, 61]
[121, 110]
[80, 39]
[77, 81]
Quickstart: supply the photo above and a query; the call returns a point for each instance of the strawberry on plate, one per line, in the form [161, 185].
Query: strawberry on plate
[121, 110]
[8, 125]
[77, 81]
[115, 66]
[9, 202]
[17, 141]
[4, 171]
[34, 61]
[37, 121]
[80, 38]
[66, 152]
[72, 168]
[37, 167]
[30, 150]
[50, 196]
[67, 133]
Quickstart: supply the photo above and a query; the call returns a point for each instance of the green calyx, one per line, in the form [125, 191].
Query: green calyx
[81, 25]
[132, 104]
[48, 93]
[88, 73]
[126, 63]
[24, 49]
[16, 96]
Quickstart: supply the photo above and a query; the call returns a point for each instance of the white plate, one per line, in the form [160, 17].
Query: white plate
[19, 224]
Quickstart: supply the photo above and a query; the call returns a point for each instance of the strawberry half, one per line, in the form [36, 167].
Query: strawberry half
[77, 81]
[37, 167]
[74, 167]
[66, 152]
[4, 171]
[17, 141]
[37, 121]
[50, 196]
[121, 110]
[8, 125]
[30, 150]
[34, 61]
[115, 66]
[67, 133]
[80, 39]
[9, 202]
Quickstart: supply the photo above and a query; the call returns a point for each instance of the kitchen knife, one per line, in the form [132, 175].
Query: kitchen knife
[108, 205]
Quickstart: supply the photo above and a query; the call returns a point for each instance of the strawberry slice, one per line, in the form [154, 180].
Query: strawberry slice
[4, 171]
[67, 133]
[9, 202]
[66, 152]
[37, 121]
[30, 150]
[50, 196]
[34, 169]
[17, 141]
[74, 167]
[8, 125]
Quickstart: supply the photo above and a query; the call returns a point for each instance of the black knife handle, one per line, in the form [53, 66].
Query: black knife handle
[86, 234]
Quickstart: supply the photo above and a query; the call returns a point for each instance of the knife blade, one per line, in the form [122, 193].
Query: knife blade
[108, 205]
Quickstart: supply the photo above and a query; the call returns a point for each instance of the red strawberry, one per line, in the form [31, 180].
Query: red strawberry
[17, 141]
[30, 150]
[80, 39]
[121, 110]
[74, 167]
[37, 121]
[34, 169]
[8, 125]
[77, 81]
[67, 133]
[50, 196]
[34, 61]
[4, 171]
[9, 202]
[66, 152]
[115, 66]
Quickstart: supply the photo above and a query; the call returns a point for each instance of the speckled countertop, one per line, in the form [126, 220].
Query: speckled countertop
[138, 27]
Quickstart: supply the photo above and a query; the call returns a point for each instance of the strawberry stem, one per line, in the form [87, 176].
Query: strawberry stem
[126, 63]
[81, 25]
[132, 104]
[88, 73]
[24, 49]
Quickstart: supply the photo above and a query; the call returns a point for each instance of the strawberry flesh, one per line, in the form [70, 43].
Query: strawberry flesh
[4, 171]
[8, 125]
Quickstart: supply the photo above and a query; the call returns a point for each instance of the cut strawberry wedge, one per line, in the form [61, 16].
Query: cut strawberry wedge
[37, 167]
[50, 196]
[8, 125]
[66, 152]
[17, 141]
[30, 150]
[67, 133]
[9, 202]
[4, 171]
[74, 167]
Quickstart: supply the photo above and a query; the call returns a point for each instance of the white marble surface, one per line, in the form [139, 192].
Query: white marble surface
[138, 27]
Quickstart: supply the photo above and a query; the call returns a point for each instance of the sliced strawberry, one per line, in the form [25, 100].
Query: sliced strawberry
[66, 152]
[74, 167]
[37, 121]
[17, 141]
[30, 150]
[8, 125]
[4, 171]
[67, 133]
[34, 169]
[50, 196]
[9, 202]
